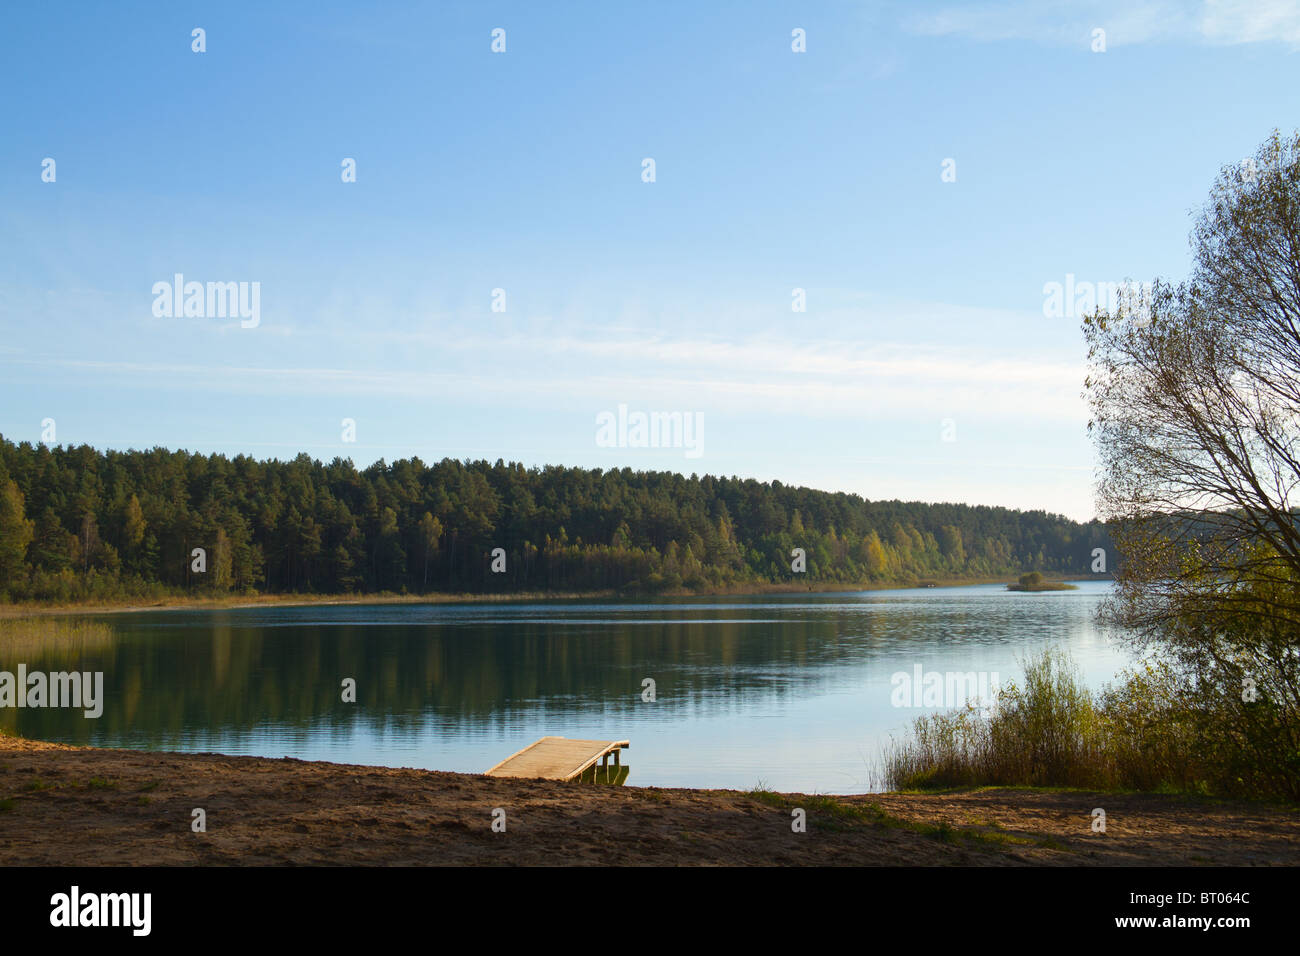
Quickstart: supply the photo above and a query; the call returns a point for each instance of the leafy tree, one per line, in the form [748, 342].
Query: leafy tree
[15, 535]
[1196, 414]
[430, 535]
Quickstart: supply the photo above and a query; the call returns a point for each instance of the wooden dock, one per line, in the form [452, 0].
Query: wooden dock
[559, 758]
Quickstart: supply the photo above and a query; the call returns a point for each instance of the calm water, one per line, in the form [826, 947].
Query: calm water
[793, 691]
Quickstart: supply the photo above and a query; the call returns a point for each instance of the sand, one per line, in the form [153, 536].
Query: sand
[63, 805]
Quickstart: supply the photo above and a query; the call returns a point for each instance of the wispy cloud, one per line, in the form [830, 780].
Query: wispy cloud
[819, 379]
[1126, 22]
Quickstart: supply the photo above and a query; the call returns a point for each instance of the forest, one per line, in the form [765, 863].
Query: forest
[77, 523]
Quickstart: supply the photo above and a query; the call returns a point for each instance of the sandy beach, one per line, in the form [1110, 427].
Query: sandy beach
[63, 805]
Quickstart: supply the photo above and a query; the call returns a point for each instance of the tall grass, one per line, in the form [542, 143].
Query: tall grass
[60, 643]
[1048, 733]
[1154, 731]
[51, 638]
[1150, 732]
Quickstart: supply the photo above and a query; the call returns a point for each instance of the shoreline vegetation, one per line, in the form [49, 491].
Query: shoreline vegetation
[80, 525]
[61, 805]
[1141, 734]
[1034, 581]
[204, 601]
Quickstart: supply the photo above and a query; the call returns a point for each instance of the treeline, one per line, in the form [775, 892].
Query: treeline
[77, 523]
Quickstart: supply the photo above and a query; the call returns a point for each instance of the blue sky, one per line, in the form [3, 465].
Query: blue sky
[522, 171]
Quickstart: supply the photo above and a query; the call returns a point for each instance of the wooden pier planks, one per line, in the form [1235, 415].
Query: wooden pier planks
[557, 758]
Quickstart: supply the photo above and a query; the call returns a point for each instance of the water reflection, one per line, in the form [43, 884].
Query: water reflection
[794, 690]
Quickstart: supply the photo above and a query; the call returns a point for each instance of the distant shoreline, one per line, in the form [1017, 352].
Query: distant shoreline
[242, 602]
[1045, 586]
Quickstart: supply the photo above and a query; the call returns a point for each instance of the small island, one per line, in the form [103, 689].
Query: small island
[1034, 581]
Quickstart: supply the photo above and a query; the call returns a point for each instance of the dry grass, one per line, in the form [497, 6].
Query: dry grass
[30, 636]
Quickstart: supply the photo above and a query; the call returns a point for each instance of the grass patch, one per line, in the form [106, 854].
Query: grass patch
[827, 813]
[1000, 834]
[99, 783]
[36, 783]
[824, 813]
[151, 785]
[1026, 788]
[7, 804]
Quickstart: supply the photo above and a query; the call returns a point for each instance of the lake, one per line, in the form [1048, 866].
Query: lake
[797, 692]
